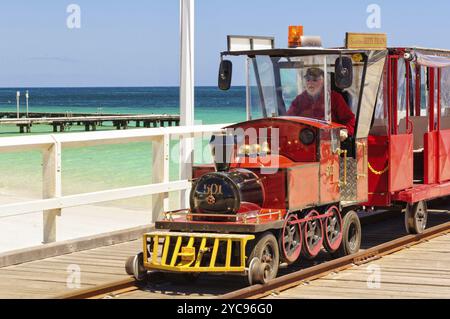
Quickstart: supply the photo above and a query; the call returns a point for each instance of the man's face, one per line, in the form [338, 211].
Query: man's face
[314, 85]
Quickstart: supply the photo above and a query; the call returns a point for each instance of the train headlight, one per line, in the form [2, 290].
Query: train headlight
[307, 136]
[254, 149]
[244, 150]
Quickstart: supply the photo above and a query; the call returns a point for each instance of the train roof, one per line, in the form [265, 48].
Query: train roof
[422, 49]
[437, 58]
[294, 52]
[317, 51]
[430, 57]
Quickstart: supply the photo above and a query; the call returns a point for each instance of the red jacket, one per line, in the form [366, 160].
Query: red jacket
[305, 106]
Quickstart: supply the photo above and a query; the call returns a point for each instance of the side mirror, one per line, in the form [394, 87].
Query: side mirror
[225, 73]
[343, 72]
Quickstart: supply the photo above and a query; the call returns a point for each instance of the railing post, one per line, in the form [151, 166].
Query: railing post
[187, 25]
[51, 189]
[160, 174]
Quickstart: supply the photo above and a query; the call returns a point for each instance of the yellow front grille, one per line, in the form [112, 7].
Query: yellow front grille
[195, 252]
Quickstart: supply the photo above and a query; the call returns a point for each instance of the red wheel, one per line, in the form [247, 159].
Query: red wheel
[313, 233]
[333, 230]
[291, 240]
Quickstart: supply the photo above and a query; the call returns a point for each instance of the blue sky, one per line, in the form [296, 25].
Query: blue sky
[135, 43]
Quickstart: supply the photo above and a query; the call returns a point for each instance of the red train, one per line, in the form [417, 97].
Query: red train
[286, 186]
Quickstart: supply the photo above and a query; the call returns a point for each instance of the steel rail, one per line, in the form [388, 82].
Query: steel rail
[294, 279]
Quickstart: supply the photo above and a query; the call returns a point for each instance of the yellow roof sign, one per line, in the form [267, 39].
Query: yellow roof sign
[369, 41]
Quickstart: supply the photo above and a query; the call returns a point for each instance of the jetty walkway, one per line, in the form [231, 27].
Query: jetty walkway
[64, 121]
[68, 267]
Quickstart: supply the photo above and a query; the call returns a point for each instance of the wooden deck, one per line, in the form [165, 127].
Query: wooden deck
[422, 271]
[48, 278]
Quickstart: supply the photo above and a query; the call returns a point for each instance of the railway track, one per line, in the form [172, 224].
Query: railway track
[373, 246]
[315, 272]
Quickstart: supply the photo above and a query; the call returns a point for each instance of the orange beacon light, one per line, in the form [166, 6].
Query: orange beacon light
[295, 34]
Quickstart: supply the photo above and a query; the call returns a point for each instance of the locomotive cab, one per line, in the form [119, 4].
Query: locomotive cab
[284, 182]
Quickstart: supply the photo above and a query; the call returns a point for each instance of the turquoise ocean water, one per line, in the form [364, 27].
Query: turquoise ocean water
[98, 168]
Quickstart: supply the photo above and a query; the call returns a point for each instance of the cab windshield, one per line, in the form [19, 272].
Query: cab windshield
[298, 86]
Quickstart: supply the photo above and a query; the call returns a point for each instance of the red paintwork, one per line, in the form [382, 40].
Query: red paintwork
[444, 156]
[248, 207]
[293, 119]
[418, 99]
[303, 186]
[393, 95]
[290, 146]
[329, 183]
[439, 99]
[400, 162]
[397, 150]
[275, 184]
[287, 187]
[250, 220]
[267, 161]
[430, 158]
[431, 99]
[378, 159]
[423, 192]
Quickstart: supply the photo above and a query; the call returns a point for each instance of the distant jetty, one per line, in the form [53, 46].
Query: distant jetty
[63, 121]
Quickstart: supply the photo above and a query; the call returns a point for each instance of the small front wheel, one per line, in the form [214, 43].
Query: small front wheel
[264, 260]
[135, 267]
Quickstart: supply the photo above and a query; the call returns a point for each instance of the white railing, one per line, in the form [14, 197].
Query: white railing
[52, 146]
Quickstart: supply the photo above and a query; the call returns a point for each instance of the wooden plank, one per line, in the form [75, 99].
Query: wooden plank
[403, 270]
[48, 277]
[405, 274]
[311, 292]
[86, 277]
[51, 268]
[93, 257]
[385, 286]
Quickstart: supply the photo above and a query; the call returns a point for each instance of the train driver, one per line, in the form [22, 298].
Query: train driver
[310, 103]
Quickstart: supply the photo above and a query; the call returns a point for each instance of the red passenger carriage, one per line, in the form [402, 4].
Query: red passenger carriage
[283, 187]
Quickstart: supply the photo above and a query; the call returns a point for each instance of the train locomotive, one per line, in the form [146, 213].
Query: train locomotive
[282, 188]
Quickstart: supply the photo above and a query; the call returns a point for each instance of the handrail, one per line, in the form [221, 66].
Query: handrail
[52, 147]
